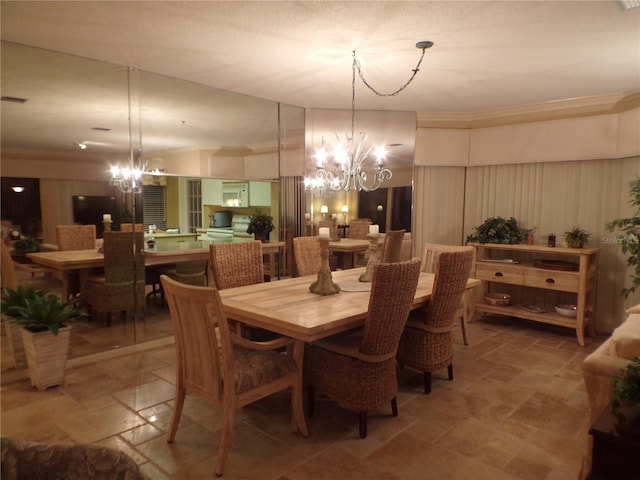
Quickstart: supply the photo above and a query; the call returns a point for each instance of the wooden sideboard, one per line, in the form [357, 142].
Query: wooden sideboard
[536, 289]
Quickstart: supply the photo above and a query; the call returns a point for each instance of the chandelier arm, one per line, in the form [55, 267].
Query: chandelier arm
[356, 64]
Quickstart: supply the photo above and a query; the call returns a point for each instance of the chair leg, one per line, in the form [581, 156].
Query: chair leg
[427, 382]
[450, 371]
[464, 330]
[311, 400]
[225, 437]
[394, 407]
[178, 403]
[362, 422]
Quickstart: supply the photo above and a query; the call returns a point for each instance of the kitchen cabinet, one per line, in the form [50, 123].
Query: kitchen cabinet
[541, 275]
[260, 194]
[211, 191]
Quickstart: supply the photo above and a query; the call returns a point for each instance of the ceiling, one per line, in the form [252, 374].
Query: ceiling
[488, 57]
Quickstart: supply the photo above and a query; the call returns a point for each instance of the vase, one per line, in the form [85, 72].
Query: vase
[46, 356]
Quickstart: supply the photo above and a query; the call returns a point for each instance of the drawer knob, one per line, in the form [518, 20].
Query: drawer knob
[550, 280]
[499, 274]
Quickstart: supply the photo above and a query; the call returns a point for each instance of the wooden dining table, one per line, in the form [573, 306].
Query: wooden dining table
[348, 249]
[288, 308]
[84, 261]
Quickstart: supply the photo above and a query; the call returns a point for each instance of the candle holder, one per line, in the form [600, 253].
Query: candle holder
[367, 276]
[107, 225]
[324, 284]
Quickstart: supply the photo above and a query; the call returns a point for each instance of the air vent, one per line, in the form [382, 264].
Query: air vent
[101, 129]
[13, 99]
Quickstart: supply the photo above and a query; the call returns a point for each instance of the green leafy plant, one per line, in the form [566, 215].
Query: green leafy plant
[498, 230]
[626, 386]
[26, 245]
[260, 224]
[629, 236]
[576, 237]
[37, 310]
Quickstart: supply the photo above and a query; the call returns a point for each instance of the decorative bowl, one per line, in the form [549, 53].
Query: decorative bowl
[498, 299]
[567, 310]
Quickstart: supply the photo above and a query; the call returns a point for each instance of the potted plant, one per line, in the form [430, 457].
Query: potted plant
[576, 237]
[629, 236]
[498, 230]
[626, 399]
[22, 247]
[45, 334]
[260, 225]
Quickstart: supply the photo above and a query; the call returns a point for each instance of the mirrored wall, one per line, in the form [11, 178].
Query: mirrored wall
[66, 120]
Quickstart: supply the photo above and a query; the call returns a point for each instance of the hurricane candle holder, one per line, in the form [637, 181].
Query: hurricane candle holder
[367, 276]
[107, 225]
[324, 284]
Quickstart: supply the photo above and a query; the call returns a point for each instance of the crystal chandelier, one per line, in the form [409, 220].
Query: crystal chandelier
[127, 179]
[345, 166]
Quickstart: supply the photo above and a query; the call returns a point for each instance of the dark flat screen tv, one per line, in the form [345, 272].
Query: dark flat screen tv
[88, 210]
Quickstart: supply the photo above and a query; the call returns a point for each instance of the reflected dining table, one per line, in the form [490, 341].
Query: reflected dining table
[288, 308]
[84, 261]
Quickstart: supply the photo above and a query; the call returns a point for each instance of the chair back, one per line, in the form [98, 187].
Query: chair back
[193, 272]
[120, 256]
[9, 277]
[128, 227]
[359, 228]
[453, 270]
[235, 264]
[431, 254]
[198, 318]
[392, 291]
[332, 225]
[392, 246]
[306, 252]
[76, 237]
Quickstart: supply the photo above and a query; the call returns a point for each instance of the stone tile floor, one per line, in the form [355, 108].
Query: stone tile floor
[516, 409]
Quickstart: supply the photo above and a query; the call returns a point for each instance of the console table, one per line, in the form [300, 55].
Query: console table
[530, 268]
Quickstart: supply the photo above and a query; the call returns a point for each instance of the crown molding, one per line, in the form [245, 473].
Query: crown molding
[569, 108]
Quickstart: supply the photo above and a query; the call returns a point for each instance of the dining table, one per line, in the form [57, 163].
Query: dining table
[288, 307]
[349, 249]
[83, 262]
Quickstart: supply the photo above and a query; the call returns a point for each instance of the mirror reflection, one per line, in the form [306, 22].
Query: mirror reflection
[222, 157]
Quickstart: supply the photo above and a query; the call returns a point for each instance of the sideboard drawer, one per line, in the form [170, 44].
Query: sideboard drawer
[552, 280]
[499, 273]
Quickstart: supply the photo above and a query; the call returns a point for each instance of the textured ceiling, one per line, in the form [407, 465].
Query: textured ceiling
[487, 55]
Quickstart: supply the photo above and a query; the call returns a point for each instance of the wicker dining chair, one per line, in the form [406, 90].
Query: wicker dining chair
[357, 370]
[128, 227]
[392, 246]
[114, 290]
[430, 257]
[227, 369]
[76, 237]
[306, 253]
[426, 341]
[359, 228]
[235, 264]
[332, 225]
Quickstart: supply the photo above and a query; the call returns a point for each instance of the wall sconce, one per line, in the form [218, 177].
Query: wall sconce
[379, 208]
[324, 210]
[18, 188]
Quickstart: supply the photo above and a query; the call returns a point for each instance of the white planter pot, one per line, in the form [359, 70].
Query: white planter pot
[46, 356]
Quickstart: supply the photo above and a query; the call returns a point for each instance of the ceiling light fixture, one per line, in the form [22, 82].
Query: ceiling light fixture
[18, 188]
[348, 156]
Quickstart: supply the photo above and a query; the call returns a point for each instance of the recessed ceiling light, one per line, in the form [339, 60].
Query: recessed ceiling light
[82, 146]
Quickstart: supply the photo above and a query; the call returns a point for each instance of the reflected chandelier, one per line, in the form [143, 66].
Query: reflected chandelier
[349, 156]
